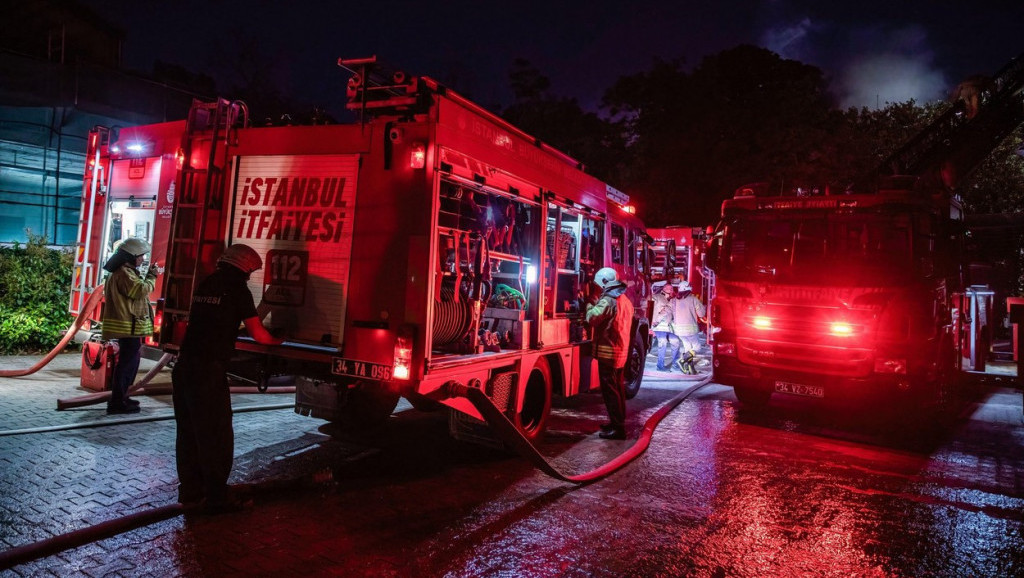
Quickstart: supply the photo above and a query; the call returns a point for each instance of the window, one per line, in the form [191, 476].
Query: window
[618, 243]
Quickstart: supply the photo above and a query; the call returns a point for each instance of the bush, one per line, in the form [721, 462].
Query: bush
[35, 283]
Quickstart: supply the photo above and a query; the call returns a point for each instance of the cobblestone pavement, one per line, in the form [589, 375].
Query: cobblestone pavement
[67, 470]
[54, 482]
[413, 503]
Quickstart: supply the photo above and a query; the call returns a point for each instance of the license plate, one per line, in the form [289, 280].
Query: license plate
[363, 369]
[799, 389]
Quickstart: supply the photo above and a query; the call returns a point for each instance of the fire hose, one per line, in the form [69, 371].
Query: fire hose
[127, 523]
[90, 304]
[511, 435]
[505, 429]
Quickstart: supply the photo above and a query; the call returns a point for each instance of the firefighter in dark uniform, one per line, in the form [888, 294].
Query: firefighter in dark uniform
[202, 400]
[611, 317]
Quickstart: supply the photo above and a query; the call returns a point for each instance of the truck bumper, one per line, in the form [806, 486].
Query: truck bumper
[730, 371]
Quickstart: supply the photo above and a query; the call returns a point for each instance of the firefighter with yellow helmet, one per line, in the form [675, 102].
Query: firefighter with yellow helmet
[202, 399]
[127, 316]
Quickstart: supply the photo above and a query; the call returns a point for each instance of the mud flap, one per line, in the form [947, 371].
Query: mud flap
[467, 428]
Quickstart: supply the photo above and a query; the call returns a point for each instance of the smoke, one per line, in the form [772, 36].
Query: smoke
[868, 65]
[889, 66]
[790, 41]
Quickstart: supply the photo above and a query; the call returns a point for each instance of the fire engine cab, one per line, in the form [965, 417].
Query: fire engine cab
[832, 294]
[427, 244]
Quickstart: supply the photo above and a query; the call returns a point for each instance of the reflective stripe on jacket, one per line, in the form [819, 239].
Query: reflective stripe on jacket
[611, 318]
[126, 311]
[687, 312]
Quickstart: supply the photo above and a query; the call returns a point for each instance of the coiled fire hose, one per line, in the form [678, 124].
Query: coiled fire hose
[90, 304]
[509, 434]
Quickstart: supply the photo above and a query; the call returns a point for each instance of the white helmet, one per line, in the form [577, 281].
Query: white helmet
[605, 277]
[133, 246]
[684, 286]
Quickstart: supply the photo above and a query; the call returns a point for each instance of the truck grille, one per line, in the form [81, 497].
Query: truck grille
[830, 360]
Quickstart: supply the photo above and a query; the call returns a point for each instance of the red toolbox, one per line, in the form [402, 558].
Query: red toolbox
[98, 361]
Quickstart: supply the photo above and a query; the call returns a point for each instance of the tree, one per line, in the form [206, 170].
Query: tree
[742, 115]
[560, 122]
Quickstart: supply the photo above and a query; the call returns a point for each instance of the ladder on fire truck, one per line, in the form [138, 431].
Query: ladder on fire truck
[983, 115]
[197, 226]
[85, 275]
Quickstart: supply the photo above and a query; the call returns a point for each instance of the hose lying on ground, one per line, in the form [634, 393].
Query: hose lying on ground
[90, 304]
[111, 528]
[141, 387]
[103, 396]
[61, 542]
[508, 433]
[505, 429]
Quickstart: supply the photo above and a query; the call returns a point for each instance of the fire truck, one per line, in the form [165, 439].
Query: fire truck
[430, 243]
[863, 292]
[677, 253]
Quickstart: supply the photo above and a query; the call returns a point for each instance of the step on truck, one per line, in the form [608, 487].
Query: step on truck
[429, 242]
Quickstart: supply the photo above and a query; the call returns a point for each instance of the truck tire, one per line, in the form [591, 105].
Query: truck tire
[533, 417]
[366, 408]
[752, 396]
[633, 373]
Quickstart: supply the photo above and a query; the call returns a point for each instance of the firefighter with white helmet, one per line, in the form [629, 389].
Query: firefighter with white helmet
[611, 317]
[127, 316]
[202, 402]
[687, 313]
[668, 342]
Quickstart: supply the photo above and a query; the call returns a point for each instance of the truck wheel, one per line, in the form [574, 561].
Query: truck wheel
[751, 396]
[533, 417]
[366, 408]
[633, 373]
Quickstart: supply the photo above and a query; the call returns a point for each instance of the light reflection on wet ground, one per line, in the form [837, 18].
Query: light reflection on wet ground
[723, 491]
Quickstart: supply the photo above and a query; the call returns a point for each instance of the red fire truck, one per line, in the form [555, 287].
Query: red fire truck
[832, 295]
[678, 254]
[429, 243]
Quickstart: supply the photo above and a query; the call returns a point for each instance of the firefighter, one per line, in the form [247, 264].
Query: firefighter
[127, 316]
[687, 312]
[202, 400]
[610, 318]
[663, 309]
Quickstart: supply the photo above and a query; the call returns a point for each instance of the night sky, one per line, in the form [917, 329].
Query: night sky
[873, 51]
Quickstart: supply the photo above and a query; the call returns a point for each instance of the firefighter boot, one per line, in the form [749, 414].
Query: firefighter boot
[686, 364]
[693, 363]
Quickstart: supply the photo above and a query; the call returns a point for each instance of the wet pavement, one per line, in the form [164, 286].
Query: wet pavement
[724, 490]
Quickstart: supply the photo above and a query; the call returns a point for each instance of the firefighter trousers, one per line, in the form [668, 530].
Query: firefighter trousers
[205, 438]
[613, 390]
[129, 356]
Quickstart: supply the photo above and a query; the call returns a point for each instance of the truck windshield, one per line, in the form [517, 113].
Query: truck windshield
[812, 248]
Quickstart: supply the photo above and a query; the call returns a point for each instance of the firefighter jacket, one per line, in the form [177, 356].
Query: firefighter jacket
[662, 313]
[687, 310]
[611, 318]
[126, 310]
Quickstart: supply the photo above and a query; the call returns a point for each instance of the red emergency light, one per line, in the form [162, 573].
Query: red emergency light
[418, 155]
[402, 368]
[841, 329]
